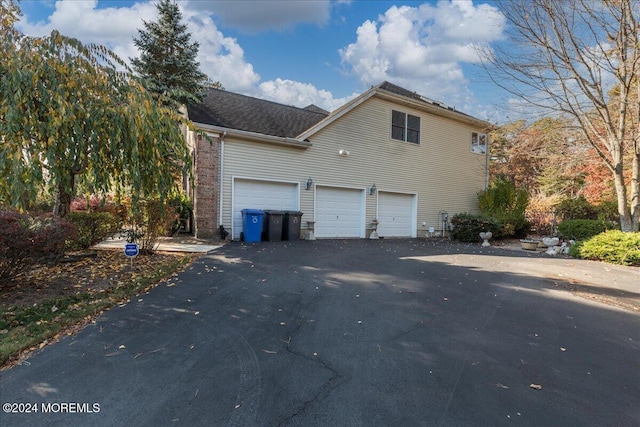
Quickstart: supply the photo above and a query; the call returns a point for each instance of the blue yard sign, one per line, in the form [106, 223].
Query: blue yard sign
[131, 249]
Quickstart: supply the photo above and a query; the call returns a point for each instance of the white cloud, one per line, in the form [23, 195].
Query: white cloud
[424, 48]
[220, 57]
[113, 26]
[300, 94]
[256, 16]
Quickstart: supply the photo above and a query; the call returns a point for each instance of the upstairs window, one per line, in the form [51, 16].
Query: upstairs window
[478, 143]
[405, 127]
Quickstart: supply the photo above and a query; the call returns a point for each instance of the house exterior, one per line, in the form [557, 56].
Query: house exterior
[389, 155]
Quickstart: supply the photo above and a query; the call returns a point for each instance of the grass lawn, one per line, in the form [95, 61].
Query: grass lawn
[48, 301]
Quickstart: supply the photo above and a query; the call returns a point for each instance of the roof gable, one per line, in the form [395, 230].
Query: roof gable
[240, 112]
[401, 96]
[233, 111]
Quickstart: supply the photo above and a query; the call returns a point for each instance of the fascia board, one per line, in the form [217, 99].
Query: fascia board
[255, 137]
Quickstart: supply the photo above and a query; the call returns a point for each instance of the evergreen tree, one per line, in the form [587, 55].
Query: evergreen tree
[167, 62]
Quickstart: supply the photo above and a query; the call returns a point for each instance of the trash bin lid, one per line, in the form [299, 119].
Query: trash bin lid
[293, 213]
[252, 211]
[273, 212]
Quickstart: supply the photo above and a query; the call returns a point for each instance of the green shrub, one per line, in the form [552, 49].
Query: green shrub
[503, 198]
[578, 208]
[93, 227]
[612, 246]
[580, 229]
[466, 227]
[608, 211]
[506, 205]
[26, 240]
[512, 225]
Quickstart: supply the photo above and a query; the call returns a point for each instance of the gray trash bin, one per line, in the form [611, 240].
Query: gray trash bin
[291, 225]
[272, 226]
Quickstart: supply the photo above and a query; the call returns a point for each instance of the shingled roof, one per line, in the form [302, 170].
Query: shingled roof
[234, 111]
[390, 87]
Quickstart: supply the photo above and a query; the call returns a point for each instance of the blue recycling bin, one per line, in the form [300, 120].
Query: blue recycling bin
[252, 224]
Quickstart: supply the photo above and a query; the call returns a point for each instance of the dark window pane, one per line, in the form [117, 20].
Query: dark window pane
[397, 132]
[413, 136]
[413, 122]
[398, 118]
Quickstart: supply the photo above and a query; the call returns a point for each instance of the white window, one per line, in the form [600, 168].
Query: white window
[405, 127]
[478, 143]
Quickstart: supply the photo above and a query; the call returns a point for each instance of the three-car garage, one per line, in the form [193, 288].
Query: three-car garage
[338, 212]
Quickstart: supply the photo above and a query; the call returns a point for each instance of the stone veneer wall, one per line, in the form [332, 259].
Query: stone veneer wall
[206, 203]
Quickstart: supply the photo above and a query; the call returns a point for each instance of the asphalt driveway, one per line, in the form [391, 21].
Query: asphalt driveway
[351, 333]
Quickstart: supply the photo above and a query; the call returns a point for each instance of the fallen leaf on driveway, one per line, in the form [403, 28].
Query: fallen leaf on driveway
[502, 385]
[563, 349]
[536, 386]
[269, 351]
[122, 346]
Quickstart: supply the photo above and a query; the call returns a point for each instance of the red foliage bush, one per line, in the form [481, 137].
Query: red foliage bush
[26, 240]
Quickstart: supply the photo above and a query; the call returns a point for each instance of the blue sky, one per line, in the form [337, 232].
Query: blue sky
[323, 52]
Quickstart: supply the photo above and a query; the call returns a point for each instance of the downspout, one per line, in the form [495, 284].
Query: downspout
[224, 134]
[486, 164]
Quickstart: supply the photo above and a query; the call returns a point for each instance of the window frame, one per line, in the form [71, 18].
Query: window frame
[479, 142]
[408, 133]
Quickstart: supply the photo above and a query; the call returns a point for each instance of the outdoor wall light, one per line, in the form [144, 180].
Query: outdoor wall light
[343, 153]
[373, 189]
[308, 184]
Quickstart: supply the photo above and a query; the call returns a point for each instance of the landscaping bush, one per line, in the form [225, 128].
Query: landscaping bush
[466, 227]
[612, 246]
[506, 205]
[148, 221]
[183, 208]
[578, 208]
[93, 227]
[512, 225]
[580, 229]
[608, 211]
[26, 240]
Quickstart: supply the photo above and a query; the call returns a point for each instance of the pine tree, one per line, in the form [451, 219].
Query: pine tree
[167, 62]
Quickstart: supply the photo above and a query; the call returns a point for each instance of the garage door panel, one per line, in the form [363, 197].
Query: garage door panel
[257, 194]
[339, 212]
[395, 214]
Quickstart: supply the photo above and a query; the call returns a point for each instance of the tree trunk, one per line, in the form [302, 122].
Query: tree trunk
[623, 207]
[63, 197]
[635, 191]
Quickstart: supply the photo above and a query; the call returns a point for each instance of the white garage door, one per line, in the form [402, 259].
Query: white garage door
[254, 194]
[339, 212]
[396, 214]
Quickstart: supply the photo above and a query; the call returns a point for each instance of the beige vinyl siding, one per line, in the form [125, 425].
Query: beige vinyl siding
[441, 170]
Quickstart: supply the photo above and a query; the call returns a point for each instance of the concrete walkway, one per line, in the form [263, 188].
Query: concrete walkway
[169, 244]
